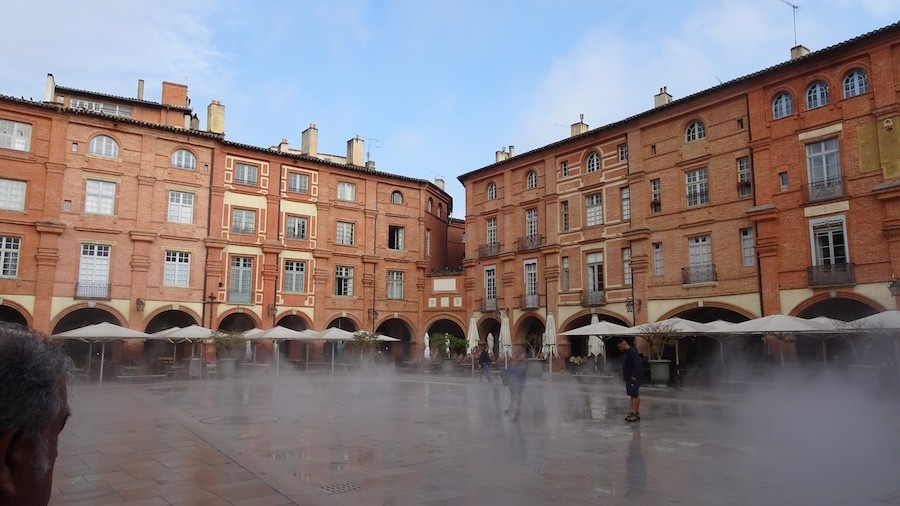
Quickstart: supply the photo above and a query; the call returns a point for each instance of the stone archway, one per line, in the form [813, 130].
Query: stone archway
[839, 350]
[395, 327]
[11, 315]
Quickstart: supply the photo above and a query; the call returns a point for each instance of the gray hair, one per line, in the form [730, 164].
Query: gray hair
[31, 367]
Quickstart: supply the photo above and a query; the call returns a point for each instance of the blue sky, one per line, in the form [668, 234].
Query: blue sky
[436, 87]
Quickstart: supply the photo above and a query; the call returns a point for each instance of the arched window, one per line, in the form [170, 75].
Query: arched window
[440, 210]
[593, 162]
[531, 180]
[782, 106]
[816, 95]
[103, 145]
[396, 197]
[856, 83]
[695, 131]
[429, 205]
[492, 191]
[184, 159]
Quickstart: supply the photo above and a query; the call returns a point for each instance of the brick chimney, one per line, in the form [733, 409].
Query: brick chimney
[799, 51]
[662, 98]
[174, 94]
[215, 117]
[355, 152]
[579, 128]
[140, 92]
[309, 141]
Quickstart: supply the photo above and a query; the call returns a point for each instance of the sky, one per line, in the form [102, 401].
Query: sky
[435, 88]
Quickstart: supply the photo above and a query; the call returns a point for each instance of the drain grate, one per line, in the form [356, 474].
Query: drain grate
[340, 488]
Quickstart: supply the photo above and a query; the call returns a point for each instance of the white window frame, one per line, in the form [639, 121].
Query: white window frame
[625, 196]
[395, 285]
[594, 270]
[700, 250]
[296, 228]
[659, 265]
[396, 197]
[491, 230]
[565, 274]
[396, 239]
[744, 177]
[748, 247]
[593, 163]
[15, 135]
[531, 222]
[490, 283]
[246, 174]
[530, 268]
[184, 159]
[697, 187]
[240, 284]
[181, 207]
[105, 146]
[695, 131]
[782, 105]
[243, 221]
[829, 241]
[655, 196]
[427, 242]
[343, 281]
[99, 197]
[492, 191]
[12, 194]
[627, 276]
[564, 168]
[593, 210]
[298, 183]
[294, 276]
[345, 232]
[346, 191]
[816, 95]
[177, 269]
[10, 247]
[856, 83]
[531, 180]
[93, 271]
[623, 152]
[564, 215]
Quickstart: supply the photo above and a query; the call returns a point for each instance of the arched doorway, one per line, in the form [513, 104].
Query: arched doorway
[702, 359]
[396, 328]
[155, 349]
[578, 345]
[88, 355]
[841, 349]
[11, 315]
[529, 337]
[237, 322]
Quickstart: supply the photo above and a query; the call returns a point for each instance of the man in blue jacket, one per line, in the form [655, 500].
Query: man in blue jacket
[632, 372]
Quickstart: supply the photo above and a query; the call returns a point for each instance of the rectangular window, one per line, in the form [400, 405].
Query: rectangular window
[565, 273]
[626, 267]
[595, 278]
[181, 207]
[343, 281]
[490, 288]
[564, 168]
[701, 268]
[655, 196]
[295, 228]
[823, 160]
[491, 226]
[623, 152]
[346, 191]
[12, 194]
[625, 194]
[594, 210]
[829, 241]
[177, 270]
[123, 111]
[697, 187]
[395, 237]
[99, 197]
[783, 181]
[344, 234]
[745, 177]
[243, 221]
[531, 284]
[748, 255]
[239, 288]
[15, 135]
[531, 223]
[395, 285]
[245, 174]
[658, 263]
[294, 276]
[298, 183]
[564, 215]
[9, 257]
[427, 242]
[93, 272]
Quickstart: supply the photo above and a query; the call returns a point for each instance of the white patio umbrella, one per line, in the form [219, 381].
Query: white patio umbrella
[550, 340]
[776, 324]
[601, 328]
[427, 353]
[505, 338]
[885, 320]
[165, 335]
[472, 339]
[334, 335]
[101, 332]
[279, 333]
[679, 326]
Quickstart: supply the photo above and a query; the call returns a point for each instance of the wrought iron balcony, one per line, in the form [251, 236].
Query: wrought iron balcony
[489, 250]
[89, 290]
[825, 189]
[593, 297]
[529, 301]
[530, 242]
[488, 305]
[830, 275]
[702, 273]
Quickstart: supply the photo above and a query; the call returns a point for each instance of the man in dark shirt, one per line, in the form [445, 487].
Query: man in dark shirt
[632, 372]
[514, 378]
[485, 360]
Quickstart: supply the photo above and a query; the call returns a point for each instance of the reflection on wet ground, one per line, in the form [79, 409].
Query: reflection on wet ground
[386, 439]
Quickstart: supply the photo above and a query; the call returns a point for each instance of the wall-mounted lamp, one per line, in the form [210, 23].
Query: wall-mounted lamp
[140, 304]
[894, 286]
[632, 305]
[273, 309]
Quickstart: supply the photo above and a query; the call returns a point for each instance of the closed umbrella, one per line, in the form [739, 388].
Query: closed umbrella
[490, 343]
[427, 347]
[472, 339]
[505, 338]
[550, 340]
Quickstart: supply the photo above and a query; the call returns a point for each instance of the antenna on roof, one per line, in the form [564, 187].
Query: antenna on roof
[370, 143]
[794, 8]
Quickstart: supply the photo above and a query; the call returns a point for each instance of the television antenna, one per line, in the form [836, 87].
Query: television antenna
[370, 143]
[794, 8]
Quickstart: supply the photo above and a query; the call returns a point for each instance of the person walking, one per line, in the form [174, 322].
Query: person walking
[484, 359]
[632, 372]
[514, 378]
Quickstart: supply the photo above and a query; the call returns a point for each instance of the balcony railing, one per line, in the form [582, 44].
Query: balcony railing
[489, 250]
[530, 242]
[830, 275]
[488, 305]
[825, 189]
[703, 273]
[529, 301]
[89, 290]
[593, 297]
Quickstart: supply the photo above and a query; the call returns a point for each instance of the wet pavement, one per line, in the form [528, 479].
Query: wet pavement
[379, 438]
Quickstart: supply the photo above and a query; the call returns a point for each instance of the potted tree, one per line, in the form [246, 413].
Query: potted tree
[229, 346]
[446, 345]
[658, 336]
[534, 363]
[367, 344]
